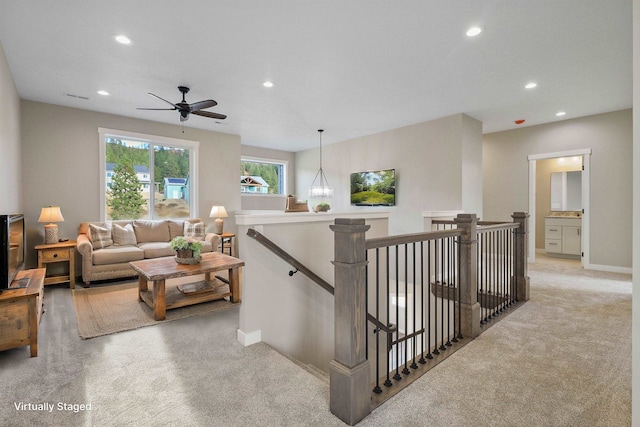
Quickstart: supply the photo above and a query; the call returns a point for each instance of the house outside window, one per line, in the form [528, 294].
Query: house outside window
[263, 176]
[146, 176]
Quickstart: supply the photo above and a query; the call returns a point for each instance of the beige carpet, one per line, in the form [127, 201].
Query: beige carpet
[115, 308]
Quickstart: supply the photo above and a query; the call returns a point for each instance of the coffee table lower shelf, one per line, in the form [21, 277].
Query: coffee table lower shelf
[174, 298]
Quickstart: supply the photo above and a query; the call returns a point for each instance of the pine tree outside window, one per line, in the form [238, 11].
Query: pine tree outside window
[146, 176]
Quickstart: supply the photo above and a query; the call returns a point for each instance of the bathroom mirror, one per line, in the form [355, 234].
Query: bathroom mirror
[566, 191]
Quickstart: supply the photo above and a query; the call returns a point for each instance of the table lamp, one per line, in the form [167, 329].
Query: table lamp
[51, 214]
[218, 212]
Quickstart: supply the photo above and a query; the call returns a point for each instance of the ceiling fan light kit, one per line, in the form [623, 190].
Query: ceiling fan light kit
[185, 109]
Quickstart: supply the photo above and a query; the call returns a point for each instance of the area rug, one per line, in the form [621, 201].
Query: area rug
[115, 308]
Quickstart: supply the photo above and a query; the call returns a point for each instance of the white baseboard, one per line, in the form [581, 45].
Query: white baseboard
[250, 338]
[609, 268]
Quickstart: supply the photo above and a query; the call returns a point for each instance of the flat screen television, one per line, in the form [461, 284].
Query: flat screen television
[373, 188]
[12, 247]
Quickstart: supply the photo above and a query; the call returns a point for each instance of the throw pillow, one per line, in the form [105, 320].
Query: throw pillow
[176, 227]
[123, 236]
[100, 235]
[194, 230]
[151, 231]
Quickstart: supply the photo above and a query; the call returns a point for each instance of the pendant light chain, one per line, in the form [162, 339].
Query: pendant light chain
[320, 131]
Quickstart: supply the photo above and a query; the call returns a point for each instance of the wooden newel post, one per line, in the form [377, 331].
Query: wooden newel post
[469, 305]
[349, 371]
[521, 279]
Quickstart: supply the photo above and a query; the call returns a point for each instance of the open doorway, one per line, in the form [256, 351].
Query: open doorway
[538, 210]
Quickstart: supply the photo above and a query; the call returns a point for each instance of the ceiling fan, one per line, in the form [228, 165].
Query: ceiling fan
[185, 108]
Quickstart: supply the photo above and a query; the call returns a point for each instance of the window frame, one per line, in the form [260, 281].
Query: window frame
[283, 178]
[152, 140]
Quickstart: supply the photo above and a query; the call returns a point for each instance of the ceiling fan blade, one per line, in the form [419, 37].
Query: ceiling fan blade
[159, 109]
[209, 114]
[202, 105]
[162, 99]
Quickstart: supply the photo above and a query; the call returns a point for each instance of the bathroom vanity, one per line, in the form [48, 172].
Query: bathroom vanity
[562, 236]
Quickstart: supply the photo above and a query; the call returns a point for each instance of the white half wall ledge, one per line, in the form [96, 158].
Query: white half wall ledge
[247, 339]
[270, 217]
[440, 214]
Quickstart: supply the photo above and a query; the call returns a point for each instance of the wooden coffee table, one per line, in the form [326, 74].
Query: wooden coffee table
[158, 270]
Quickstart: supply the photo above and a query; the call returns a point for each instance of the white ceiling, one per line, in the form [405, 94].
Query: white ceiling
[353, 68]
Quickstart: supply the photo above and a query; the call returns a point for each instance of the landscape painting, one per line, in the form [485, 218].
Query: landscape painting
[373, 188]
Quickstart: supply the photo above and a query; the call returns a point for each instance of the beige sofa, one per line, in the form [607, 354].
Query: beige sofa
[108, 247]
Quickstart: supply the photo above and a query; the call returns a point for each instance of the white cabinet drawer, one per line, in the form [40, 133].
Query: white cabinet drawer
[553, 232]
[553, 245]
[563, 221]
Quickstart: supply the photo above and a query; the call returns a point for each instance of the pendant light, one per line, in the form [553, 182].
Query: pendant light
[322, 189]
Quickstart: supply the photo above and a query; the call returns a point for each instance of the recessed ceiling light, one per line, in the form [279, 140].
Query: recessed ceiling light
[122, 39]
[103, 92]
[474, 31]
[267, 84]
[531, 85]
[560, 113]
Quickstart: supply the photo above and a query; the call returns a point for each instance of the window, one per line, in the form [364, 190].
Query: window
[146, 177]
[263, 176]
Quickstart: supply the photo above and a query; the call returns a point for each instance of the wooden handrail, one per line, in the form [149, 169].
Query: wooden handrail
[290, 260]
[307, 272]
[381, 242]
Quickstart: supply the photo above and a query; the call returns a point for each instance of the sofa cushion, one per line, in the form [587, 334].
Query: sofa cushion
[176, 228]
[117, 254]
[123, 236]
[151, 231]
[100, 235]
[194, 230]
[156, 249]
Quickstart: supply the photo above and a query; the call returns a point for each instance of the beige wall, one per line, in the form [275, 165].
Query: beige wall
[430, 158]
[270, 202]
[11, 158]
[60, 148]
[610, 138]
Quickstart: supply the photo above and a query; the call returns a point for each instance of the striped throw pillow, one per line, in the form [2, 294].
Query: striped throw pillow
[100, 235]
[123, 236]
[194, 230]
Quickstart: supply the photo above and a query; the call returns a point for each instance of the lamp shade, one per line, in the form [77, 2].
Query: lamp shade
[218, 212]
[51, 214]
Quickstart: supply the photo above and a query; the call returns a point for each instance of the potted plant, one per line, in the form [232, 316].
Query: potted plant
[187, 249]
[322, 207]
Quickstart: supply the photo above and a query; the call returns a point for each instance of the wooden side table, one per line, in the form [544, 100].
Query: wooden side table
[58, 252]
[228, 237]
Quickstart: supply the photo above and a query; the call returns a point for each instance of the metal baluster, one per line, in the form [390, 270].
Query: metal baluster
[406, 307]
[503, 263]
[366, 298]
[389, 334]
[460, 295]
[449, 266]
[479, 280]
[436, 262]
[429, 355]
[442, 252]
[413, 322]
[397, 374]
[456, 287]
[422, 309]
[377, 388]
